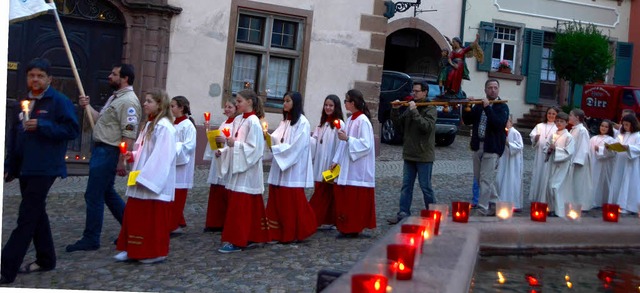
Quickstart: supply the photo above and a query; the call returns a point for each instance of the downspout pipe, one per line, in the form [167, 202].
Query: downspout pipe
[463, 13]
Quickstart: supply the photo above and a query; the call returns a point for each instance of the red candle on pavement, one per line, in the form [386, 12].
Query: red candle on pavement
[123, 147]
[610, 212]
[403, 257]
[538, 212]
[207, 116]
[460, 211]
[435, 215]
[368, 283]
[416, 230]
[226, 132]
[337, 123]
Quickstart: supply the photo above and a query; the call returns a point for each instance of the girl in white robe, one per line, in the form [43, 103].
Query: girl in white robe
[246, 221]
[540, 135]
[601, 162]
[510, 168]
[144, 235]
[624, 189]
[324, 142]
[218, 195]
[582, 191]
[355, 186]
[290, 217]
[185, 159]
[560, 148]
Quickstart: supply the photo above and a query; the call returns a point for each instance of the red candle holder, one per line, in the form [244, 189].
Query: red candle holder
[403, 257]
[610, 212]
[416, 231]
[539, 211]
[436, 216]
[123, 147]
[368, 283]
[337, 123]
[460, 211]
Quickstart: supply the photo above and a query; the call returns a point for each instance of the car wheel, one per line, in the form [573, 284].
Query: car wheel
[388, 132]
[445, 140]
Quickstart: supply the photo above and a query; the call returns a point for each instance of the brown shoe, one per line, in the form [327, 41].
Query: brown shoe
[393, 221]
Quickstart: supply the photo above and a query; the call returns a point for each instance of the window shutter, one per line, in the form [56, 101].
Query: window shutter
[624, 56]
[534, 64]
[487, 47]
[525, 51]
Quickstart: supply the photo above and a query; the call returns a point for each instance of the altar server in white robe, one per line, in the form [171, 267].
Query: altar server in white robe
[601, 162]
[582, 191]
[245, 221]
[624, 189]
[355, 187]
[560, 150]
[618, 126]
[324, 142]
[510, 168]
[290, 217]
[144, 235]
[540, 135]
[218, 195]
[185, 159]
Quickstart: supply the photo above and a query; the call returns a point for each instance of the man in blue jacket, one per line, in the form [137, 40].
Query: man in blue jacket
[37, 158]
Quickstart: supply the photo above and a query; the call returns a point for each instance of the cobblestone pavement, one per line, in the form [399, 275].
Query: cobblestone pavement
[194, 263]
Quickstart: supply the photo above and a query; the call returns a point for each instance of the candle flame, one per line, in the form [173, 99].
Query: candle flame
[503, 214]
[123, 147]
[226, 132]
[336, 123]
[572, 214]
[611, 215]
[501, 278]
[376, 285]
[425, 234]
[567, 278]
[569, 285]
[401, 266]
[25, 105]
[265, 126]
[207, 116]
[457, 214]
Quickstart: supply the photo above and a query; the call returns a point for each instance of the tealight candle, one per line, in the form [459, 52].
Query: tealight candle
[538, 212]
[403, 255]
[610, 212]
[427, 224]
[337, 123]
[460, 211]
[443, 208]
[436, 216]
[373, 275]
[123, 147]
[572, 211]
[414, 231]
[368, 283]
[504, 210]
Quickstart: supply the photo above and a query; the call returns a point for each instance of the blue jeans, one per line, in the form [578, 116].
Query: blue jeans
[476, 191]
[409, 172]
[100, 191]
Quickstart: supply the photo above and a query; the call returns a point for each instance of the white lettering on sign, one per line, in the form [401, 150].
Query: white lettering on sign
[593, 102]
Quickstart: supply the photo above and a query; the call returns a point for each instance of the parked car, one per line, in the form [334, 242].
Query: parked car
[399, 86]
[606, 101]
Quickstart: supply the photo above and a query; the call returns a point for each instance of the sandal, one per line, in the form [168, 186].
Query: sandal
[32, 267]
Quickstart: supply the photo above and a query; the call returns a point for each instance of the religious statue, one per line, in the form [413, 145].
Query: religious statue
[457, 67]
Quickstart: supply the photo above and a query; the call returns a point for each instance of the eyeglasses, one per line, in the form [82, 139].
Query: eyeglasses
[348, 101]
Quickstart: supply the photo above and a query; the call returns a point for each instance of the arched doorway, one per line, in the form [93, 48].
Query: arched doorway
[412, 51]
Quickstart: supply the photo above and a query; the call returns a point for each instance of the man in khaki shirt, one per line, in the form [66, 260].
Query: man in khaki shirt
[118, 121]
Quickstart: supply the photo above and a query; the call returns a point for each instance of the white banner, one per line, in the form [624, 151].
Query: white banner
[24, 9]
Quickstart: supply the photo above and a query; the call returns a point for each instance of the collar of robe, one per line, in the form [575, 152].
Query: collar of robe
[229, 121]
[246, 115]
[355, 115]
[180, 119]
[152, 117]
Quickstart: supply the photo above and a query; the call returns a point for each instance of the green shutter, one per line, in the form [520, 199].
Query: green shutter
[624, 56]
[534, 65]
[487, 47]
[525, 51]
[577, 96]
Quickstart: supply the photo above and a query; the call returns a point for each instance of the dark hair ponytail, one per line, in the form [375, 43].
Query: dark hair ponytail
[182, 101]
[358, 101]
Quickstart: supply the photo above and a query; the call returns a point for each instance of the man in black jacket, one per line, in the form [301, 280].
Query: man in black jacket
[487, 141]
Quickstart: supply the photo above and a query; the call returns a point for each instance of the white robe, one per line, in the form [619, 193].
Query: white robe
[510, 168]
[356, 156]
[243, 161]
[601, 167]
[539, 176]
[186, 151]
[559, 167]
[209, 155]
[291, 163]
[624, 189]
[322, 153]
[582, 191]
[155, 158]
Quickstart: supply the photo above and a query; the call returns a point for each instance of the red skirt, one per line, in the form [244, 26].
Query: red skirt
[217, 206]
[145, 228]
[178, 208]
[355, 208]
[289, 215]
[322, 203]
[246, 220]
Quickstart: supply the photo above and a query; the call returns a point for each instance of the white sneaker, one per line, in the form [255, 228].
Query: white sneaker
[153, 260]
[177, 231]
[122, 256]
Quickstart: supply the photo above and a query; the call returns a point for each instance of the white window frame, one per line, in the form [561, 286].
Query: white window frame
[505, 35]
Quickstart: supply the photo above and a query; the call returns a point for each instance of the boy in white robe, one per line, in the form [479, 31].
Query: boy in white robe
[510, 168]
[582, 191]
[560, 150]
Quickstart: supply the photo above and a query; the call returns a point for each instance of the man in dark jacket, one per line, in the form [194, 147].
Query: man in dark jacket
[418, 150]
[37, 158]
[487, 141]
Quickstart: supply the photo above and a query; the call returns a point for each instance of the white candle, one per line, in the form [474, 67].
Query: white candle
[25, 109]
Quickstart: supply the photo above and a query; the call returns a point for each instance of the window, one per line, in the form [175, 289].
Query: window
[267, 55]
[547, 73]
[505, 40]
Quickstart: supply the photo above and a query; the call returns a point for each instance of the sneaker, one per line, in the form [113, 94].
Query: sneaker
[82, 245]
[122, 256]
[229, 248]
[153, 260]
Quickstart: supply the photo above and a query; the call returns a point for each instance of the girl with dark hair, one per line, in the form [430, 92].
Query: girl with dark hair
[146, 224]
[540, 135]
[185, 160]
[624, 189]
[290, 217]
[560, 149]
[354, 188]
[245, 220]
[218, 194]
[601, 162]
[324, 142]
[582, 191]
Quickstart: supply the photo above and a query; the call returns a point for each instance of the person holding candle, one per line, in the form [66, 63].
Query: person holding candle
[217, 203]
[354, 188]
[418, 149]
[560, 150]
[324, 142]
[36, 158]
[147, 221]
[289, 215]
[245, 220]
[540, 135]
[582, 191]
[185, 160]
[601, 162]
[116, 122]
[624, 189]
[510, 168]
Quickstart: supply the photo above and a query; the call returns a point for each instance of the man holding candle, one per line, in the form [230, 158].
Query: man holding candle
[117, 122]
[37, 158]
[418, 150]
